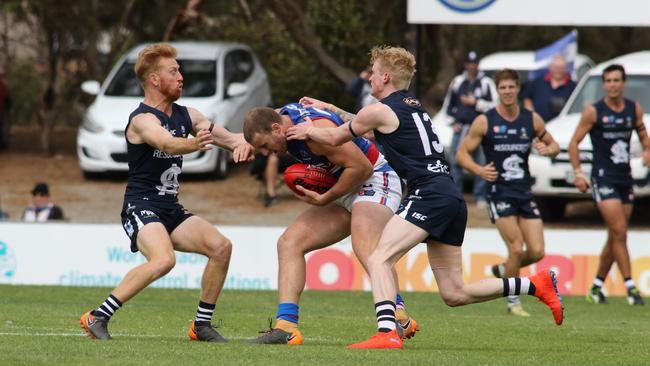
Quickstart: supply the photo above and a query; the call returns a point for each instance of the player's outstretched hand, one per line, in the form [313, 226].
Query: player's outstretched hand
[311, 197]
[300, 131]
[314, 103]
[243, 153]
[488, 172]
[541, 147]
[203, 140]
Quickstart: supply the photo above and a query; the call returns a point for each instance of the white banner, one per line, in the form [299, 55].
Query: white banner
[530, 12]
[98, 255]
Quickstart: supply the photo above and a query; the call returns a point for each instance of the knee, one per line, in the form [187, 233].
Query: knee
[536, 255]
[453, 298]
[378, 261]
[219, 248]
[618, 234]
[163, 264]
[516, 251]
[288, 245]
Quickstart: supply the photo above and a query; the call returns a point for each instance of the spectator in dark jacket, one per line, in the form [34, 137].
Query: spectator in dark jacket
[548, 95]
[471, 93]
[42, 208]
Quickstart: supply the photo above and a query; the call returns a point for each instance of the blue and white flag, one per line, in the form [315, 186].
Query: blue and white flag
[566, 46]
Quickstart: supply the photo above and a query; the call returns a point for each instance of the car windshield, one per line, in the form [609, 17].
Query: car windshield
[199, 79]
[636, 88]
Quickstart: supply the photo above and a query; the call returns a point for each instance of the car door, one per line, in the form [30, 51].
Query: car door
[239, 68]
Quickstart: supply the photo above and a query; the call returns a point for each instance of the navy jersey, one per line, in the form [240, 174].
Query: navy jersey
[153, 174]
[610, 138]
[414, 149]
[507, 144]
[300, 150]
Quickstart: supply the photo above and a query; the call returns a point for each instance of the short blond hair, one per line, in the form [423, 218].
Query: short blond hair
[148, 58]
[400, 62]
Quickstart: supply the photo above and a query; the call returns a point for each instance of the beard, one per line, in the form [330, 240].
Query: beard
[172, 93]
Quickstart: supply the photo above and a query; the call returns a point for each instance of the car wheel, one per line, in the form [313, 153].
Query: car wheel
[551, 208]
[222, 167]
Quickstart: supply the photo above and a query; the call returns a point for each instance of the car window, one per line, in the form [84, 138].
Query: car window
[636, 88]
[238, 66]
[199, 79]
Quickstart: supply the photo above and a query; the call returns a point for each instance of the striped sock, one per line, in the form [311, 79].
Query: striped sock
[598, 282]
[108, 307]
[385, 311]
[204, 313]
[629, 283]
[517, 285]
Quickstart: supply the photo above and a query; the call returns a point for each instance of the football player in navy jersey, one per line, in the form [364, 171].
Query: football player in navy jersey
[507, 133]
[433, 210]
[365, 196]
[156, 223]
[610, 123]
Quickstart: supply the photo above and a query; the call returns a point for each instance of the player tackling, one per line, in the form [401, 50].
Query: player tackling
[359, 204]
[156, 223]
[433, 210]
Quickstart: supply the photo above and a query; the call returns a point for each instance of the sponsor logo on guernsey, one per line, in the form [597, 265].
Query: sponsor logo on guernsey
[412, 102]
[419, 216]
[524, 133]
[499, 129]
[163, 155]
[439, 167]
[467, 6]
[512, 147]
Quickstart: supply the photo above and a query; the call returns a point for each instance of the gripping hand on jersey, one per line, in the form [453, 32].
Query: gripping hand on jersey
[243, 152]
[311, 197]
[203, 139]
[300, 131]
[314, 103]
[488, 172]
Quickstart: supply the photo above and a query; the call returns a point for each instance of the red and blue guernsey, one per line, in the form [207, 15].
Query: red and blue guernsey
[299, 149]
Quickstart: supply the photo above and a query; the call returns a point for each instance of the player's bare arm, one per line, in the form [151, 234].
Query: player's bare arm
[375, 116]
[357, 168]
[642, 132]
[315, 103]
[587, 121]
[146, 128]
[235, 142]
[470, 143]
[544, 141]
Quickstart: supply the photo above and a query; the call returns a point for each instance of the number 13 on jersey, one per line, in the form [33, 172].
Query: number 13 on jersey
[427, 142]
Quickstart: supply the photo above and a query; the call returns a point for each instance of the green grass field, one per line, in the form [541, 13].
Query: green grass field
[39, 325]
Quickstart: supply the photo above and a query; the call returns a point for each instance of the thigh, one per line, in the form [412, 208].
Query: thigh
[153, 241]
[368, 222]
[318, 227]
[509, 230]
[398, 237]
[533, 231]
[446, 263]
[613, 213]
[196, 235]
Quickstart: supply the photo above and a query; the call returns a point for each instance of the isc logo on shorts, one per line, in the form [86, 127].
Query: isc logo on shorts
[419, 216]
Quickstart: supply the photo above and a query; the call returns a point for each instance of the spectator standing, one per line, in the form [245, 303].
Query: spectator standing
[42, 208]
[548, 95]
[360, 88]
[472, 93]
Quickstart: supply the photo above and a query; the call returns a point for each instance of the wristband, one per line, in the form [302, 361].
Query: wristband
[351, 131]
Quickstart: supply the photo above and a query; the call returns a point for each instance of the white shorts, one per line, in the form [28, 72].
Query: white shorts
[382, 187]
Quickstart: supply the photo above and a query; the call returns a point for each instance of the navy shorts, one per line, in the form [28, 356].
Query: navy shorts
[138, 213]
[442, 215]
[604, 191]
[499, 207]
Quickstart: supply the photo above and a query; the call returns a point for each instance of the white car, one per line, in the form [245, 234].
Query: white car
[521, 61]
[554, 178]
[222, 80]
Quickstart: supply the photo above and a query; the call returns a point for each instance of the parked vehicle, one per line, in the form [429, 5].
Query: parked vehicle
[554, 178]
[222, 80]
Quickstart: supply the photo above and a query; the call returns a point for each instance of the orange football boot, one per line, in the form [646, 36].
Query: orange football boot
[546, 290]
[388, 340]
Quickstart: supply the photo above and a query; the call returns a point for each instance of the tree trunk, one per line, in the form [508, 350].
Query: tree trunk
[298, 25]
[449, 55]
[188, 13]
[117, 38]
